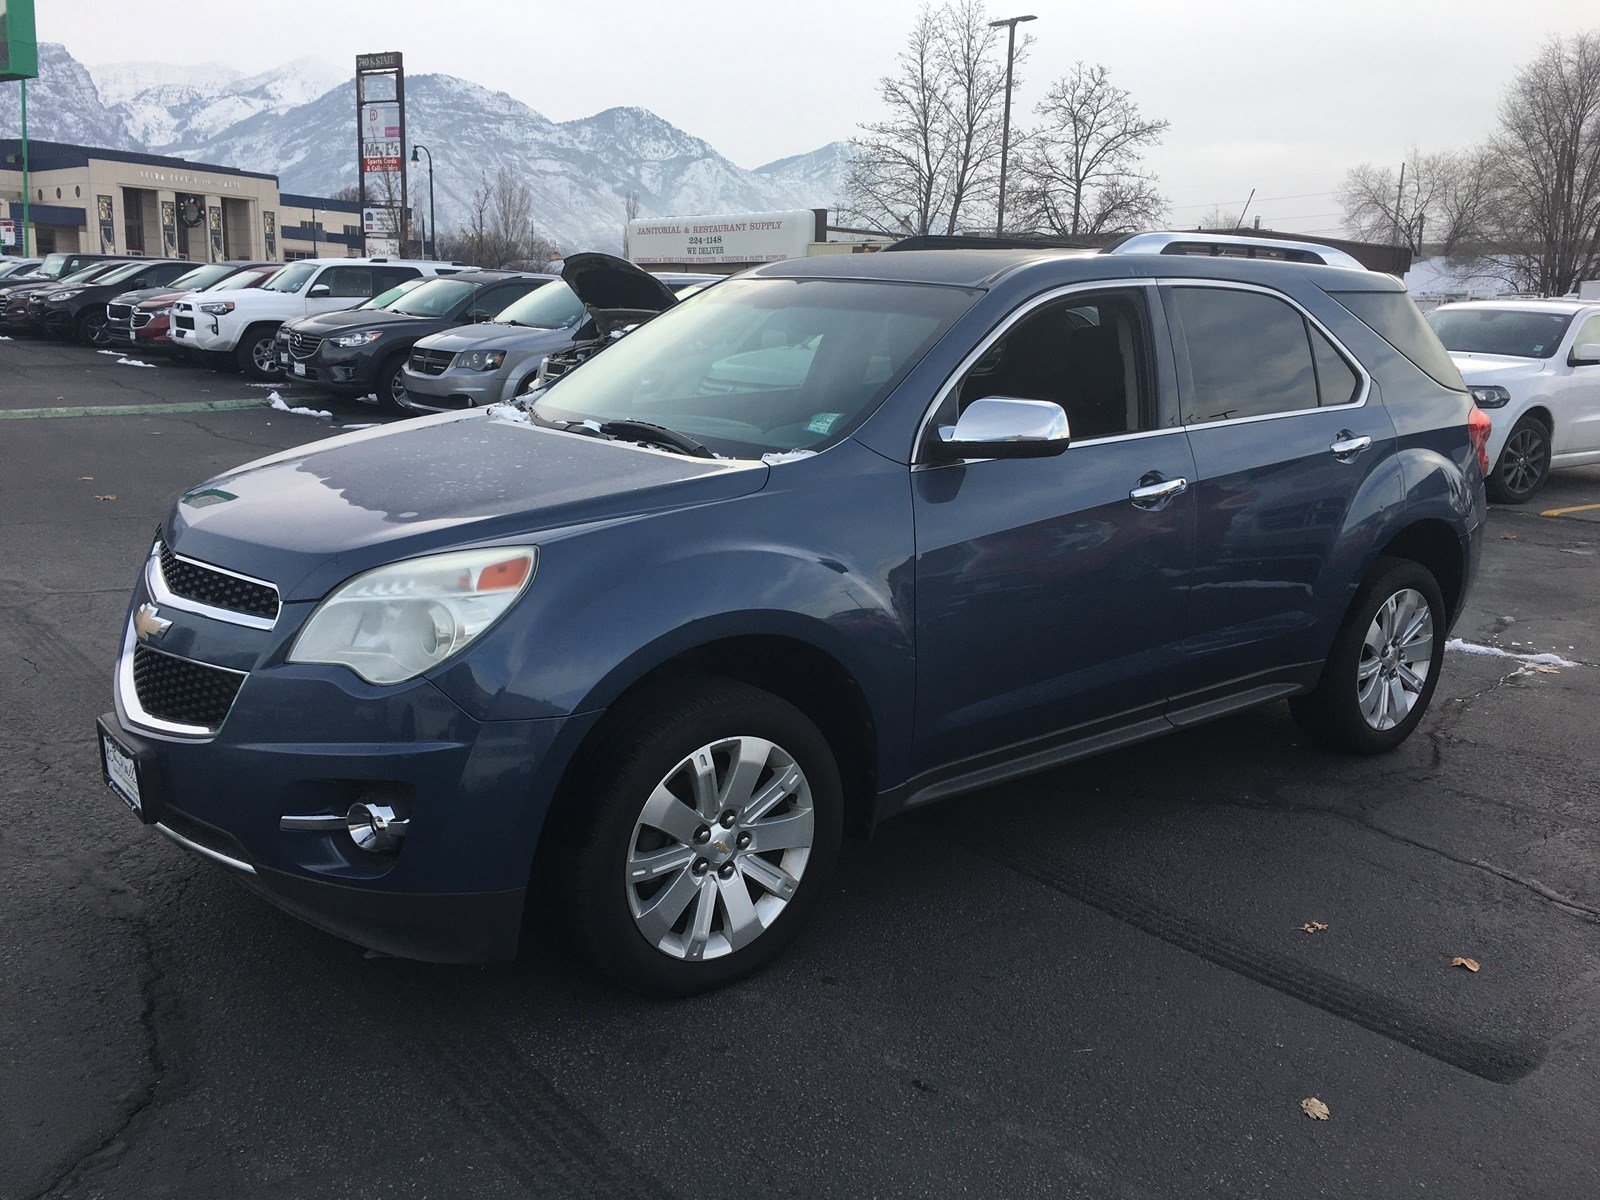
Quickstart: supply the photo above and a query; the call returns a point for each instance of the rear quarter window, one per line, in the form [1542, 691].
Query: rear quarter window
[1394, 318]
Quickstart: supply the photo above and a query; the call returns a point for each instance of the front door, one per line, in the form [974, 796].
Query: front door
[1578, 427]
[1048, 597]
[1284, 440]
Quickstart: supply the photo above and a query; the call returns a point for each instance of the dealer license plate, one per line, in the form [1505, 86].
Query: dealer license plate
[299, 368]
[122, 772]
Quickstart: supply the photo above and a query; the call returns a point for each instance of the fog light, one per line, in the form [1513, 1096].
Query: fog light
[375, 827]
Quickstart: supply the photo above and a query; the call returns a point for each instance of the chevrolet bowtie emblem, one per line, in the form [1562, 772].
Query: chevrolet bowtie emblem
[722, 847]
[148, 622]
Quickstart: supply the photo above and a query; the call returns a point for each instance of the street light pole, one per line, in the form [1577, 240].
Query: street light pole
[1011, 24]
[433, 221]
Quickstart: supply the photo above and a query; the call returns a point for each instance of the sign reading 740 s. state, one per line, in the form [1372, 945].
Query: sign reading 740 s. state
[19, 49]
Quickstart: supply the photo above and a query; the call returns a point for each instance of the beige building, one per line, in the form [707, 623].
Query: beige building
[117, 202]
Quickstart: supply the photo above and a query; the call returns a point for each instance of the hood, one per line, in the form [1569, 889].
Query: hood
[490, 336]
[322, 324]
[311, 517]
[156, 297]
[605, 281]
[23, 289]
[1497, 368]
[140, 295]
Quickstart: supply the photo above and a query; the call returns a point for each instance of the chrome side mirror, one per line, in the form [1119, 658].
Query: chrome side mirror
[318, 291]
[1004, 427]
[1586, 355]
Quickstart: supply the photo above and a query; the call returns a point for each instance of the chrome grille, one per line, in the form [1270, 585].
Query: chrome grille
[430, 362]
[141, 319]
[303, 345]
[195, 581]
[182, 691]
[119, 312]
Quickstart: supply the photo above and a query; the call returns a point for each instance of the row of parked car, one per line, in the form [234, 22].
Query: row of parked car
[422, 336]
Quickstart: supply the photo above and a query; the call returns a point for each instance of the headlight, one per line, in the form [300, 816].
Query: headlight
[480, 360]
[398, 621]
[1490, 397]
[348, 340]
[66, 295]
[217, 308]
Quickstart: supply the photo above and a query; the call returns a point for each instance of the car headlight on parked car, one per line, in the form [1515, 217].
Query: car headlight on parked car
[480, 360]
[350, 340]
[1490, 397]
[395, 622]
[66, 295]
[217, 308]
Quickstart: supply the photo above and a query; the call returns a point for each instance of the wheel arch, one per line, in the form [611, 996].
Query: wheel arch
[1433, 543]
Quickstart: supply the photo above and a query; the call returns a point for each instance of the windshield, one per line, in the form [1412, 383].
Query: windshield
[1515, 332]
[761, 365]
[85, 274]
[238, 282]
[52, 266]
[290, 279]
[126, 271]
[552, 306]
[202, 277]
[385, 299]
[434, 298]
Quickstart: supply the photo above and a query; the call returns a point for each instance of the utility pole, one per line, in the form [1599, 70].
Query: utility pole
[1399, 202]
[22, 234]
[433, 220]
[1011, 24]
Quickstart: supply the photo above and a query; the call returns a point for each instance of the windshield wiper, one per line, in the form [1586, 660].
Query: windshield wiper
[660, 435]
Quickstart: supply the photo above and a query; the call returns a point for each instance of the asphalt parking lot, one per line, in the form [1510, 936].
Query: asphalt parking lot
[1093, 983]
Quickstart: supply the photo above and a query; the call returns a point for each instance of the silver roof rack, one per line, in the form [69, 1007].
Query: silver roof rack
[1231, 245]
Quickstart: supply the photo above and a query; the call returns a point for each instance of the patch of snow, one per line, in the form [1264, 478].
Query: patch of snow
[509, 412]
[133, 362]
[113, 353]
[368, 425]
[787, 456]
[1537, 660]
[3, 338]
[277, 403]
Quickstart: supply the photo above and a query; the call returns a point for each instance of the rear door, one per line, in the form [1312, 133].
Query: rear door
[1578, 429]
[347, 286]
[1049, 597]
[1285, 429]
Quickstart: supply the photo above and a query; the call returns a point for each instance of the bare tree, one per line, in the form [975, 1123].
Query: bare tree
[1443, 195]
[499, 230]
[1081, 169]
[630, 212]
[1545, 218]
[931, 164]
[1219, 218]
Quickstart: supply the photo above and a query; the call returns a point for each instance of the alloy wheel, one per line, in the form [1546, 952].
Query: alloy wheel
[1396, 656]
[1522, 461]
[719, 848]
[264, 354]
[94, 330]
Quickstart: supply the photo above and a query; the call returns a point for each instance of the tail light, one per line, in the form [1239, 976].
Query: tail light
[1478, 427]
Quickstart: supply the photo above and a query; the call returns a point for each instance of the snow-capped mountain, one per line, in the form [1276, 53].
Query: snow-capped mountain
[296, 121]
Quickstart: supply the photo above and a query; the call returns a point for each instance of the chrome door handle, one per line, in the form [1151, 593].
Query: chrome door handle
[1155, 495]
[1347, 445]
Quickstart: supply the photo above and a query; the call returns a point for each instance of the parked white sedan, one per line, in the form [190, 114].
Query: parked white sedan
[1535, 366]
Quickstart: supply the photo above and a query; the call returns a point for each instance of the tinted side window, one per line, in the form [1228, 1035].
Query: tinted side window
[492, 300]
[1337, 381]
[348, 281]
[1394, 318]
[1249, 355]
[1588, 333]
[384, 278]
[1088, 353]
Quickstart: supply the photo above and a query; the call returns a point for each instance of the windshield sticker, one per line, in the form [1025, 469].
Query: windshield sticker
[822, 422]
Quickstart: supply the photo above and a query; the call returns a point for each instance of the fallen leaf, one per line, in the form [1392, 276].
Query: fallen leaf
[105, 497]
[1544, 670]
[1508, 537]
[85, 476]
[1313, 927]
[1470, 964]
[1315, 1109]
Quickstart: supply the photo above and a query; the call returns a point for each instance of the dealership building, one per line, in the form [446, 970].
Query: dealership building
[98, 201]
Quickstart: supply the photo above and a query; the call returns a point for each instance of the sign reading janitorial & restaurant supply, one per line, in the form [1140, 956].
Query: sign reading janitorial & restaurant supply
[732, 238]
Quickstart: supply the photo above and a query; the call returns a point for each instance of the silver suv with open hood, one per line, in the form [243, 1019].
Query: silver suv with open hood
[492, 362]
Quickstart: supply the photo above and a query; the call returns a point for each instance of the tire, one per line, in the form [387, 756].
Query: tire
[90, 329]
[642, 935]
[1523, 465]
[390, 387]
[1351, 708]
[257, 353]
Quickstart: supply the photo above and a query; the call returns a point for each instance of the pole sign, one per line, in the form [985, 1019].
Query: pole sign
[381, 153]
[19, 49]
[734, 238]
[8, 232]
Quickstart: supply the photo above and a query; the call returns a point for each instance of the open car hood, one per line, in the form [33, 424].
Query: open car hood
[604, 281]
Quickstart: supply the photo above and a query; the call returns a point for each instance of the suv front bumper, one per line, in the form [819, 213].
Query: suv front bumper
[456, 388]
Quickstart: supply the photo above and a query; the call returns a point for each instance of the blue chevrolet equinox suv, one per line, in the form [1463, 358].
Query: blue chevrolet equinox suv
[830, 540]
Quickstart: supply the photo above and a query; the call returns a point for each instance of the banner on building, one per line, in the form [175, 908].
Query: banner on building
[169, 228]
[108, 225]
[215, 218]
[8, 232]
[269, 233]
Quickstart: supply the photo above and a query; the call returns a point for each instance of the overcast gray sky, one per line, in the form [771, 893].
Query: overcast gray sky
[1280, 95]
